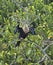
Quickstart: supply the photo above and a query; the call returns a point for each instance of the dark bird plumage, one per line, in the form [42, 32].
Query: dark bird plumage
[23, 32]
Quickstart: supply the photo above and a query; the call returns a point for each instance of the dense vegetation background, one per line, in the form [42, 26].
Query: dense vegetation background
[35, 49]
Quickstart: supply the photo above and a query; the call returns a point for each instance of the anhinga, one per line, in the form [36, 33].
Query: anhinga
[23, 31]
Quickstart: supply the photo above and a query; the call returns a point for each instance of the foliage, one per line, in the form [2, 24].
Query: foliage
[33, 48]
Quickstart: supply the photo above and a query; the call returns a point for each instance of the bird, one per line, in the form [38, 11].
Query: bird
[24, 31]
